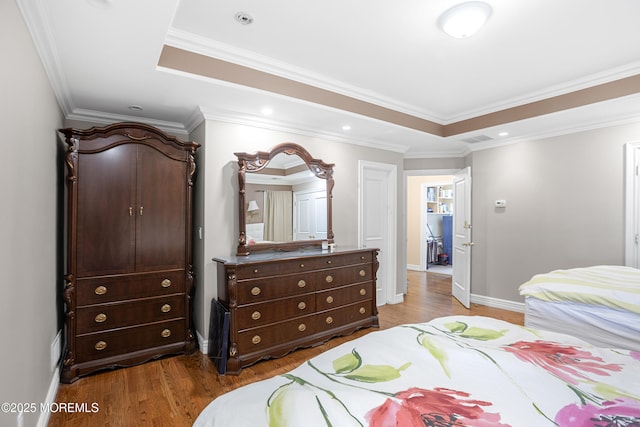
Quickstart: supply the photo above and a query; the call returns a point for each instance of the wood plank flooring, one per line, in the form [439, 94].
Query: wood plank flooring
[173, 391]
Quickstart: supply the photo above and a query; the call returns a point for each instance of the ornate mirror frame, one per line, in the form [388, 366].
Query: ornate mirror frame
[255, 162]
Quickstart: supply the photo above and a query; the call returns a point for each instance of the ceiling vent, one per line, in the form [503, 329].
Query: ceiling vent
[479, 138]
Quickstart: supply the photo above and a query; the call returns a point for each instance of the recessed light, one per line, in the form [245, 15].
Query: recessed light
[346, 127]
[267, 111]
[244, 18]
[503, 133]
[135, 108]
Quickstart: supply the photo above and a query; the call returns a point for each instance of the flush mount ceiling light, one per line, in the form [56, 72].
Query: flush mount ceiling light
[464, 19]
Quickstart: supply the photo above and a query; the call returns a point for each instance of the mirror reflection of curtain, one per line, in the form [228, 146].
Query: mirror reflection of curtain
[278, 224]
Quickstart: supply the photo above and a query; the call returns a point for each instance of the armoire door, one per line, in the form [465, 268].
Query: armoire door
[161, 204]
[105, 222]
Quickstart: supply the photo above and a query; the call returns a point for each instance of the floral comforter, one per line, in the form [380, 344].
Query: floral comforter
[452, 371]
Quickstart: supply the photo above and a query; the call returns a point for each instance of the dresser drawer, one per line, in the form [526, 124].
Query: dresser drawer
[342, 276]
[337, 297]
[272, 268]
[258, 339]
[300, 265]
[117, 315]
[343, 316]
[128, 340]
[250, 291]
[116, 288]
[254, 315]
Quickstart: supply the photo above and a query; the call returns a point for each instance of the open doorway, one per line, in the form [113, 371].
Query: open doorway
[429, 223]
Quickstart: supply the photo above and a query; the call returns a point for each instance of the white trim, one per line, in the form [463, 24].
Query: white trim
[43, 419]
[632, 204]
[498, 303]
[202, 343]
[414, 267]
[392, 235]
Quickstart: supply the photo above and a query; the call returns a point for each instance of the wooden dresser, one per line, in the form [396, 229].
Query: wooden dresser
[280, 301]
[129, 270]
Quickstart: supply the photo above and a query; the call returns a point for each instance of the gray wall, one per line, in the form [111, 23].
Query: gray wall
[29, 256]
[565, 207]
[218, 186]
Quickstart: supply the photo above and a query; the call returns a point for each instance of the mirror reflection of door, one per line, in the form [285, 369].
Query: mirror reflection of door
[310, 215]
[290, 203]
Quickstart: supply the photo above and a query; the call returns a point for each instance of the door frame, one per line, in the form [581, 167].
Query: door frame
[632, 204]
[422, 172]
[391, 256]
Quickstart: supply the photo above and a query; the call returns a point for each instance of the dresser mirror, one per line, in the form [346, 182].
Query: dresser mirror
[285, 199]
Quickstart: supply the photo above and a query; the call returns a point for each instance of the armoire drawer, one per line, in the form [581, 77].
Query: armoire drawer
[258, 339]
[337, 297]
[96, 318]
[128, 340]
[117, 288]
[250, 291]
[254, 315]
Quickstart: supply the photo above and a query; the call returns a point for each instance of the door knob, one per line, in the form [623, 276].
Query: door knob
[468, 244]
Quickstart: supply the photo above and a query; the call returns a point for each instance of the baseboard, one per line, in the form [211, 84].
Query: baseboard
[43, 419]
[414, 267]
[498, 303]
[204, 344]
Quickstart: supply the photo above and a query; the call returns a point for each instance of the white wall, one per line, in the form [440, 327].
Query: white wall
[29, 259]
[565, 207]
[219, 188]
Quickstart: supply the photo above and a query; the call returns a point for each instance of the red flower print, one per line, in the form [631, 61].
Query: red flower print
[440, 407]
[565, 362]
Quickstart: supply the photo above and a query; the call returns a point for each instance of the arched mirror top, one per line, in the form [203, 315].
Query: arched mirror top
[285, 185]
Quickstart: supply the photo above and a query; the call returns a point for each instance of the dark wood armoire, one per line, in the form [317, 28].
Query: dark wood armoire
[129, 278]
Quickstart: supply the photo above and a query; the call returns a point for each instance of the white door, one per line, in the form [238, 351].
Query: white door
[462, 243]
[632, 205]
[377, 212]
[310, 215]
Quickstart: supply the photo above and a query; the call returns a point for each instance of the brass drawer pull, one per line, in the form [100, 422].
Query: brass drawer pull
[101, 318]
[256, 339]
[255, 291]
[165, 283]
[329, 299]
[100, 345]
[363, 291]
[329, 320]
[362, 273]
[255, 270]
[329, 262]
[362, 310]
[362, 258]
[329, 279]
[166, 333]
[302, 305]
[302, 284]
[302, 327]
[101, 290]
[301, 265]
[256, 315]
[165, 308]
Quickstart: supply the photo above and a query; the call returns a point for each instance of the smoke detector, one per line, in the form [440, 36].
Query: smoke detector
[244, 18]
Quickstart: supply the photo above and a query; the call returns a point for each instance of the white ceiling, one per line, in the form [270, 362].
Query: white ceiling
[102, 56]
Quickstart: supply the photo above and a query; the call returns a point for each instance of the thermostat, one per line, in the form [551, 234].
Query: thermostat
[500, 203]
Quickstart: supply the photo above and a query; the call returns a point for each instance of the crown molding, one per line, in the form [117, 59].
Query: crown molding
[33, 12]
[223, 116]
[100, 117]
[201, 45]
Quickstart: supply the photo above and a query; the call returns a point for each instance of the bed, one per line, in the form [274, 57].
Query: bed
[451, 371]
[600, 304]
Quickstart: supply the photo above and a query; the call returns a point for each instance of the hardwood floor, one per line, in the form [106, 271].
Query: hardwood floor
[173, 391]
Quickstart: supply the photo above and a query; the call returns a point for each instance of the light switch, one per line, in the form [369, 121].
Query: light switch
[500, 203]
